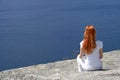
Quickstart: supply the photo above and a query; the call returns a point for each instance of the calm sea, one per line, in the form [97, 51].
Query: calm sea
[41, 31]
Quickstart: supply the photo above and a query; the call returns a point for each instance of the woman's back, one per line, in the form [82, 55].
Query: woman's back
[92, 50]
[92, 61]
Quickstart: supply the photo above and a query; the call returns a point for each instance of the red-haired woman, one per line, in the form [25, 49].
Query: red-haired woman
[91, 51]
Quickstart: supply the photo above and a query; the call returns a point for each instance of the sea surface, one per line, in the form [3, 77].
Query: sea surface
[41, 31]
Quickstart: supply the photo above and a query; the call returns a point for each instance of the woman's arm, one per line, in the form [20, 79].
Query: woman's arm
[101, 53]
[80, 54]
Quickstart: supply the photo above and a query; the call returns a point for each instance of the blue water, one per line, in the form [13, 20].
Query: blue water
[41, 31]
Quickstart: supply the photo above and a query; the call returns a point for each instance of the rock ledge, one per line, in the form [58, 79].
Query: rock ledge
[67, 70]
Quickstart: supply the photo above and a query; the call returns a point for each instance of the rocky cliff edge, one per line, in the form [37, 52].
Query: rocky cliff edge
[67, 70]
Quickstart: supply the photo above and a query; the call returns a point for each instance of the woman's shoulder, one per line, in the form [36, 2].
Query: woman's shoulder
[81, 42]
[99, 43]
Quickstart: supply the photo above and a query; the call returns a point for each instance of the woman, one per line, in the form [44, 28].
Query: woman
[91, 51]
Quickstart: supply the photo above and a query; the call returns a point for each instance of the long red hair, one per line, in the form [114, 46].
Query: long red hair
[89, 41]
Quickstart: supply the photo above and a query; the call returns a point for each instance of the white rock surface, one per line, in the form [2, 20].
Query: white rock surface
[67, 70]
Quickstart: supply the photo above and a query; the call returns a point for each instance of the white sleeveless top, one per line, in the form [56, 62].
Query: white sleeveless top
[92, 61]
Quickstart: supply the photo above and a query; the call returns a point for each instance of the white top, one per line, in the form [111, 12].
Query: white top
[92, 61]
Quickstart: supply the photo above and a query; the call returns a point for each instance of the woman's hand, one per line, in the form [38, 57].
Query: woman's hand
[80, 56]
